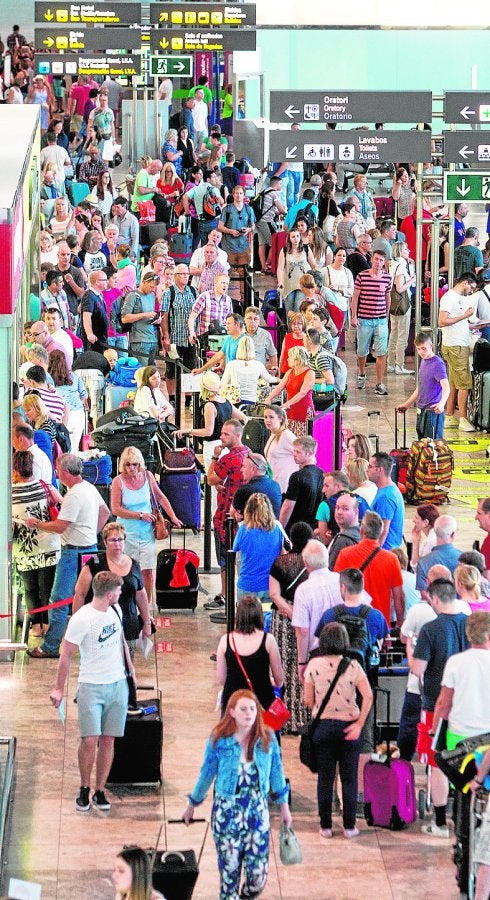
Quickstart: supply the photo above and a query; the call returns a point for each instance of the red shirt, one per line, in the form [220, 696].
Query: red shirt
[381, 575]
[485, 549]
[229, 469]
[298, 412]
[290, 341]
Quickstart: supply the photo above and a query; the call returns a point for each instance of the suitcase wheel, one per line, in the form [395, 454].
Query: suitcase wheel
[368, 815]
[396, 822]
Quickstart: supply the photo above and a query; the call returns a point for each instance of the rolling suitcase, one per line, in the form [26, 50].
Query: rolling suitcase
[138, 753]
[479, 401]
[183, 490]
[175, 872]
[481, 356]
[123, 428]
[180, 248]
[114, 395]
[326, 429]
[169, 597]
[389, 787]
[400, 456]
[429, 472]
[255, 434]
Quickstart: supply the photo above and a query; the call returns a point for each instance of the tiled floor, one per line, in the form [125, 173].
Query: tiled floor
[71, 854]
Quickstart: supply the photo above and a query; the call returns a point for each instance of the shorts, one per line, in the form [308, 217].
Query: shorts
[369, 330]
[141, 551]
[220, 550]
[457, 360]
[425, 740]
[264, 234]
[102, 708]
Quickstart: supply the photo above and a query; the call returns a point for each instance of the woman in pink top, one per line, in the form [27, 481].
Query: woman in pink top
[125, 279]
[278, 450]
[467, 581]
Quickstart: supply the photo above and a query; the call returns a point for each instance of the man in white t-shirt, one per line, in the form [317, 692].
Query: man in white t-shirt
[455, 309]
[197, 262]
[102, 696]
[165, 91]
[464, 699]
[53, 321]
[23, 439]
[200, 114]
[82, 515]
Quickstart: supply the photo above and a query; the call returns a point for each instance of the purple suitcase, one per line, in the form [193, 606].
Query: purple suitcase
[183, 490]
[389, 788]
[326, 428]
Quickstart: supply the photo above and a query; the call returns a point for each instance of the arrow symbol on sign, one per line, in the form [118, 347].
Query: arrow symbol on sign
[466, 112]
[179, 66]
[465, 152]
[48, 41]
[291, 152]
[164, 44]
[463, 190]
[48, 15]
[290, 111]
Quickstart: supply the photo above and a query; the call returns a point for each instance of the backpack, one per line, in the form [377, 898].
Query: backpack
[211, 207]
[257, 204]
[429, 472]
[115, 317]
[63, 437]
[339, 370]
[360, 648]
[308, 214]
[464, 261]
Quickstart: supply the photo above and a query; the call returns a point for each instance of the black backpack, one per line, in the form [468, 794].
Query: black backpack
[257, 204]
[356, 625]
[308, 214]
[63, 437]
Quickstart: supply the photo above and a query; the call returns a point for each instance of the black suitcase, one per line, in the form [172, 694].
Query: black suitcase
[123, 428]
[481, 356]
[255, 434]
[172, 597]
[138, 754]
[175, 872]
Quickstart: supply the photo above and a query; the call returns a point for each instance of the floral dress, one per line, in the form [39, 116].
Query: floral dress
[290, 572]
[241, 828]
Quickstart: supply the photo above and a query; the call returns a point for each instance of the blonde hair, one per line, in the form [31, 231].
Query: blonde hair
[293, 316]
[246, 348]
[132, 454]
[258, 513]
[111, 527]
[166, 167]
[469, 578]
[35, 403]
[357, 471]
[299, 355]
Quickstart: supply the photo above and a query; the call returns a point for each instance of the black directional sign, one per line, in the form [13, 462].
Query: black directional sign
[186, 41]
[350, 106]
[202, 15]
[472, 107]
[88, 38]
[467, 146]
[87, 13]
[350, 146]
[80, 64]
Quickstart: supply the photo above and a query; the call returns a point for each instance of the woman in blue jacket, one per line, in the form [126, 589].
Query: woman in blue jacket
[242, 756]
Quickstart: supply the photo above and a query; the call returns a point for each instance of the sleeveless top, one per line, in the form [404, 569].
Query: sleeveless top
[137, 501]
[223, 412]
[256, 666]
[132, 582]
[298, 411]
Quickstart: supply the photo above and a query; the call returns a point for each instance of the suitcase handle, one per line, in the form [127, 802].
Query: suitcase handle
[376, 691]
[404, 429]
[374, 435]
[168, 854]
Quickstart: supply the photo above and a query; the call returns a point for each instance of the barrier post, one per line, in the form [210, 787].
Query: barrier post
[230, 590]
[222, 618]
[178, 392]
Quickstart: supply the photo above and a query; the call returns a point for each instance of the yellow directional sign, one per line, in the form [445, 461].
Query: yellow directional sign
[202, 15]
[53, 37]
[88, 13]
[186, 41]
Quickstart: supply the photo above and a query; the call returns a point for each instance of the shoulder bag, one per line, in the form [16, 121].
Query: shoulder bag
[307, 753]
[53, 508]
[400, 302]
[278, 714]
[289, 846]
[160, 526]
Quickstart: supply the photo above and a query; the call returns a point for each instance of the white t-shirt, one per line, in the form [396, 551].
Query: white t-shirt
[457, 335]
[81, 506]
[197, 261]
[43, 470]
[313, 597]
[200, 116]
[165, 91]
[245, 374]
[61, 337]
[367, 491]
[468, 674]
[98, 635]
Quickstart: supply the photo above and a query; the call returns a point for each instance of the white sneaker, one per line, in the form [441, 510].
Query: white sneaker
[390, 369]
[401, 370]
[433, 830]
[464, 425]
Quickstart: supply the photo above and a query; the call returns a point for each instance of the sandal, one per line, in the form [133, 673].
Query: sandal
[39, 653]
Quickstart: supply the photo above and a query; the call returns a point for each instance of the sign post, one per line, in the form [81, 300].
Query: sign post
[350, 106]
[350, 146]
[470, 187]
[171, 65]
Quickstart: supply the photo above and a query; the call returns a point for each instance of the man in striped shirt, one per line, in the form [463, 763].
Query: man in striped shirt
[211, 305]
[370, 306]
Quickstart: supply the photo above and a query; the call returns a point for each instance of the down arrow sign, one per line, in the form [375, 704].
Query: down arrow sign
[463, 190]
[291, 152]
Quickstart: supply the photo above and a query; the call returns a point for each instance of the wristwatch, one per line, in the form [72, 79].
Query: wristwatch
[141, 515]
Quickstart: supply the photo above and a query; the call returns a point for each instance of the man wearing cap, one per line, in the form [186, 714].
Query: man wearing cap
[211, 305]
[255, 481]
[138, 310]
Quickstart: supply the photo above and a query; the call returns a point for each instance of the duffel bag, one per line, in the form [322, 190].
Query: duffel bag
[429, 472]
[98, 470]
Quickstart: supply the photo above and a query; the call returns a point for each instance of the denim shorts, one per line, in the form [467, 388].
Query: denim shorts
[372, 330]
[102, 708]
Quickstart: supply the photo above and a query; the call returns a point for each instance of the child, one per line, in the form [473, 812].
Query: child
[431, 392]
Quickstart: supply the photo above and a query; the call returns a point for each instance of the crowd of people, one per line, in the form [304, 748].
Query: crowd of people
[323, 551]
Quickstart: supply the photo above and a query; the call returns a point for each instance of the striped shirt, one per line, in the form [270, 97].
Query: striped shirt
[372, 295]
[209, 307]
[52, 400]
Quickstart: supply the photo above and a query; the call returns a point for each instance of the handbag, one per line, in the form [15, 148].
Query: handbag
[289, 846]
[161, 526]
[147, 211]
[400, 302]
[307, 752]
[278, 714]
[53, 508]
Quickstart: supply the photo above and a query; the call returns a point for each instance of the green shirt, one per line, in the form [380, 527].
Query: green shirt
[142, 180]
[208, 96]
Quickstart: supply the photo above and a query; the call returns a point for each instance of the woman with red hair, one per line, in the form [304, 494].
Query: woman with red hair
[242, 756]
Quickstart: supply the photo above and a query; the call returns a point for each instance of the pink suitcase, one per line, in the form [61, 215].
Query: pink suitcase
[326, 428]
[389, 788]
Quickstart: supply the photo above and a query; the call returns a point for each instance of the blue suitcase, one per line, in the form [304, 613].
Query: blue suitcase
[114, 396]
[183, 490]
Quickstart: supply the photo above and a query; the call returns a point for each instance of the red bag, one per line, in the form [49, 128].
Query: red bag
[277, 715]
[147, 211]
[53, 508]
[337, 315]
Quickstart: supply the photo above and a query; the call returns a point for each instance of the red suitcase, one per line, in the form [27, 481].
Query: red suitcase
[278, 242]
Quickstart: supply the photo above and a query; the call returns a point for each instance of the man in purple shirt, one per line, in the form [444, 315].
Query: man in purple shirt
[431, 392]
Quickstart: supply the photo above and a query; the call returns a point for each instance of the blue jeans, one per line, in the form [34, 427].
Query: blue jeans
[144, 351]
[205, 226]
[407, 731]
[295, 180]
[331, 748]
[65, 579]
[427, 421]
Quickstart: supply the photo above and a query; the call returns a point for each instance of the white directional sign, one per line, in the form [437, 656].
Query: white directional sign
[472, 107]
[350, 146]
[467, 146]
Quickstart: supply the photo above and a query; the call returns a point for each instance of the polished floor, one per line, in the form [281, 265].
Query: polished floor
[71, 854]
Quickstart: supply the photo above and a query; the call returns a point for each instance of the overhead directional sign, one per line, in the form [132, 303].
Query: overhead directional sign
[202, 15]
[87, 13]
[350, 146]
[184, 41]
[472, 107]
[466, 146]
[73, 64]
[89, 38]
[350, 106]
[468, 186]
[171, 65]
